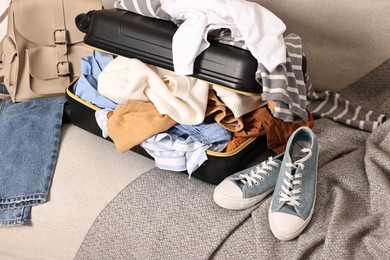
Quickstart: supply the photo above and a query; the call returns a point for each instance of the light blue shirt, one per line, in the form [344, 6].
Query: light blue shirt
[183, 147]
[86, 86]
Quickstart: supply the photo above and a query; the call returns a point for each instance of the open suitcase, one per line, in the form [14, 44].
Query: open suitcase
[134, 36]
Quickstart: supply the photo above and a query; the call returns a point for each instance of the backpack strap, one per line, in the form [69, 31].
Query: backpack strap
[61, 39]
[1, 59]
[1, 52]
[2, 95]
[4, 15]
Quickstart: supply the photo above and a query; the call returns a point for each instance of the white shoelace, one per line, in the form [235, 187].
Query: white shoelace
[290, 190]
[253, 176]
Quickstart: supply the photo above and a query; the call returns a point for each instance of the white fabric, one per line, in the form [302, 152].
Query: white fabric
[183, 98]
[101, 120]
[175, 153]
[239, 104]
[261, 30]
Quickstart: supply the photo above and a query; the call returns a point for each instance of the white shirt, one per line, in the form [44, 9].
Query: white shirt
[261, 30]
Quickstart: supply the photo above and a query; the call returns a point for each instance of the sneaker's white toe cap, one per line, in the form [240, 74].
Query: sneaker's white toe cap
[286, 226]
[229, 189]
[228, 195]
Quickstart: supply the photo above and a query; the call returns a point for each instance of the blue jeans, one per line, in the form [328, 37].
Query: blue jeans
[30, 135]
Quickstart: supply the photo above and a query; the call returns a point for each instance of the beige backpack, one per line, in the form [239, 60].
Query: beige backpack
[43, 47]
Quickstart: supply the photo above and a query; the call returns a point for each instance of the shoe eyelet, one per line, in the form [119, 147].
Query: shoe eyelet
[280, 193]
[250, 186]
[300, 205]
[278, 200]
[300, 197]
[256, 182]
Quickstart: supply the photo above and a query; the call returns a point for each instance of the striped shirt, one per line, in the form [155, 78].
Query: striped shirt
[149, 8]
[293, 92]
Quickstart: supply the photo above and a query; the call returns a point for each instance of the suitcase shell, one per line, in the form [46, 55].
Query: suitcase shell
[218, 166]
[150, 40]
[131, 35]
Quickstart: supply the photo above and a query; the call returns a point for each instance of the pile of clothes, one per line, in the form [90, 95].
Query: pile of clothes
[174, 117]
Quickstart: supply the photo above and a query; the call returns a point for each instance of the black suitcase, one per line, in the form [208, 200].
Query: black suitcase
[149, 40]
[134, 36]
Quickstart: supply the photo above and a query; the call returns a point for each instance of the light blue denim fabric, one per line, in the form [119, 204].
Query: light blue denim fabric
[86, 85]
[29, 142]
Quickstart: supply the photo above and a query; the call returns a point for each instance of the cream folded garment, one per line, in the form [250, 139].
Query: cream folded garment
[183, 98]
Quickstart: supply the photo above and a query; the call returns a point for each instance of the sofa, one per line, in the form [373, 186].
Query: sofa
[109, 205]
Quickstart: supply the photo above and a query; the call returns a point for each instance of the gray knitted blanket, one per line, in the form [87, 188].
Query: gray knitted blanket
[165, 215]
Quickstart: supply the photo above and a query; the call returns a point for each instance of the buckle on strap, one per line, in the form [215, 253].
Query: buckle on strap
[61, 36]
[63, 69]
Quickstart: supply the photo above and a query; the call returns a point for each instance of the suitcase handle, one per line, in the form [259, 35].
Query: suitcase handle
[83, 21]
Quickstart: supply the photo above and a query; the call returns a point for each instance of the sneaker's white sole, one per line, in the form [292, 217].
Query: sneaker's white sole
[224, 201]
